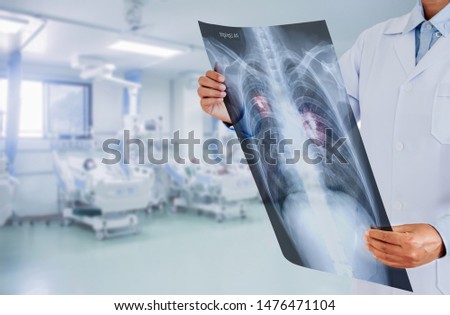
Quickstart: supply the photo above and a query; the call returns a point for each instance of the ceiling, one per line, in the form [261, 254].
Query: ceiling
[87, 27]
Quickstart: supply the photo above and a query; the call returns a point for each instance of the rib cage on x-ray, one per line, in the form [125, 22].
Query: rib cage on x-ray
[323, 208]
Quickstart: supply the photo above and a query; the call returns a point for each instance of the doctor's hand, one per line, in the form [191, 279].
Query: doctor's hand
[408, 246]
[212, 92]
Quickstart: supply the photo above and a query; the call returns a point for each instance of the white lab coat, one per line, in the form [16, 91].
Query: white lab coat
[405, 124]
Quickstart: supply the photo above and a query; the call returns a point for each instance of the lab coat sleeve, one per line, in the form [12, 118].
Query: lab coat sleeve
[443, 227]
[350, 64]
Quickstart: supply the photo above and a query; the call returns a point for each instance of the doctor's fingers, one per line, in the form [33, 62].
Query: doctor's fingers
[210, 93]
[393, 259]
[384, 247]
[208, 82]
[406, 228]
[208, 103]
[393, 264]
[214, 75]
[395, 238]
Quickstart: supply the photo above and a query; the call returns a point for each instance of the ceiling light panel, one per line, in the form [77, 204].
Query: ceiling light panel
[11, 26]
[145, 49]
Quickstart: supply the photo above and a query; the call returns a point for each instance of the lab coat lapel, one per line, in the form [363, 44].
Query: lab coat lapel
[405, 50]
[438, 53]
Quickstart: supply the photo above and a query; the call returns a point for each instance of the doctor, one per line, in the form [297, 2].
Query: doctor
[398, 81]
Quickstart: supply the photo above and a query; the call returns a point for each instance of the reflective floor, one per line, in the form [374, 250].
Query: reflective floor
[181, 253]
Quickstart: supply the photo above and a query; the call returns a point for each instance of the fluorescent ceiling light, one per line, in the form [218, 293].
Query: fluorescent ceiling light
[144, 49]
[11, 25]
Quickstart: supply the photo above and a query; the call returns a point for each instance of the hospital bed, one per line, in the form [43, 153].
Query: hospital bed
[7, 192]
[222, 191]
[101, 196]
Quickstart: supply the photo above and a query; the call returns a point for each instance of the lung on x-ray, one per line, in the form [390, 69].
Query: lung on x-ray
[289, 107]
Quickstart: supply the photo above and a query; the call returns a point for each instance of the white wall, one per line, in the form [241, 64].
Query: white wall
[37, 189]
[107, 103]
[156, 98]
[187, 115]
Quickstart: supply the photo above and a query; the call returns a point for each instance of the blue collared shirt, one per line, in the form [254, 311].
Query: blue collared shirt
[428, 32]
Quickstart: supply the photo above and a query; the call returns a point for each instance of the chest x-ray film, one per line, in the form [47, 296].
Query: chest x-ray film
[289, 107]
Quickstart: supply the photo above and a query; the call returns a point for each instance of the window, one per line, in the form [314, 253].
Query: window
[68, 113]
[50, 109]
[31, 122]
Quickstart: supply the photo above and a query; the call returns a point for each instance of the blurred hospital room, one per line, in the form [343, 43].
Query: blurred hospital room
[78, 76]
